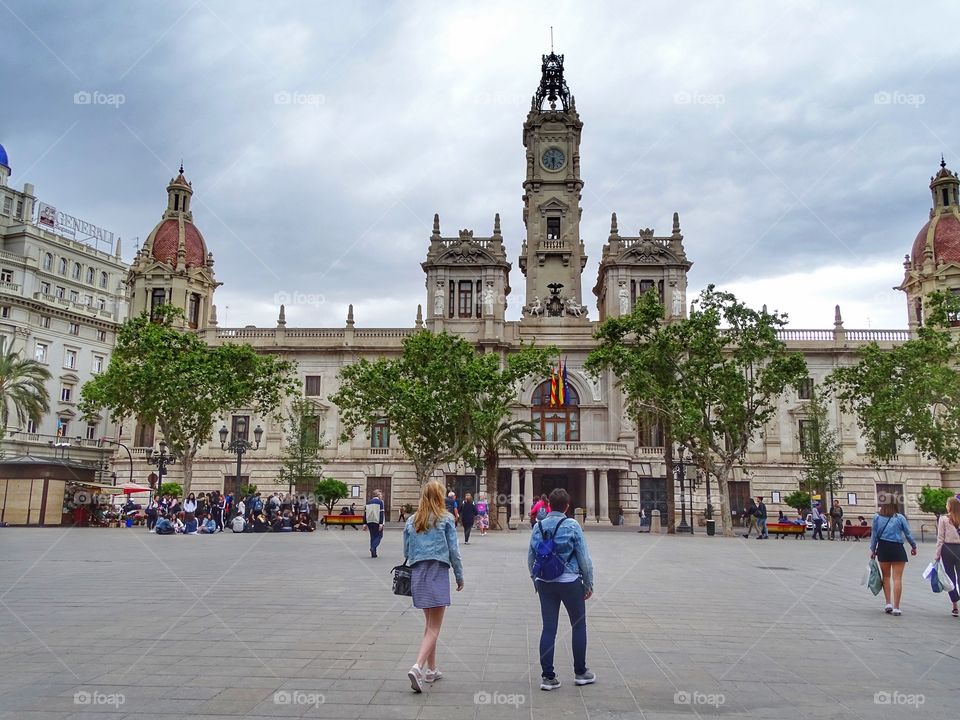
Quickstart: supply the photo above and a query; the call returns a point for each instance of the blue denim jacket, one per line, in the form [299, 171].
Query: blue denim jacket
[892, 528]
[570, 545]
[436, 543]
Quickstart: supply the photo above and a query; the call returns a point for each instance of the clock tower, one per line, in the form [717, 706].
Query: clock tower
[552, 257]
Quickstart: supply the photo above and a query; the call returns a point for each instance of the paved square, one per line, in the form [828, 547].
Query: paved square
[124, 624]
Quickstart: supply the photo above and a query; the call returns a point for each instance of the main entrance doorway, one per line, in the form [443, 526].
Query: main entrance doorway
[383, 485]
[738, 494]
[653, 497]
[545, 481]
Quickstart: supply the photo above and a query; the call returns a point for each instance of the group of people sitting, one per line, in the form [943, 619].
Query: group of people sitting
[277, 513]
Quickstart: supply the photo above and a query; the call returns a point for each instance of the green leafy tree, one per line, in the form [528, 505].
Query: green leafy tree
[910, 393]
[820, 449]
[934, 500]
[329, 492]
[717, 375]
[170, 488]
[174, 380]
[300, 463]
[246, 490]
[799, 501]
[23, 390]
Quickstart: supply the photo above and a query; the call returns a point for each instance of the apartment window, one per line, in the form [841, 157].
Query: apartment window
[40, 353]
[805, 390]
[157, 298]
[20, 209]
[553, 228]
[7, 205]
[45, 321]
[77, 271]
[74, 328]
[240, 427]
[465, 299]
[5, 311]
[62, 267]
[66, 393]
[44, 288]
[88, 300]
[103, 280]
[60, 292]
[98, 363]
[48, 261]
[380, 434]
[74, 296]
[70, 359]
[31, 426]
[102, 335]
[91, 275]
[6, 275]
[193, 311]
[102, 303]
[312, 386]
[806, 428]
[91, 433]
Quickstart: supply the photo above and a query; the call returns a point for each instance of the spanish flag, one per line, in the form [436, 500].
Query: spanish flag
[554, 382]
[561, 384]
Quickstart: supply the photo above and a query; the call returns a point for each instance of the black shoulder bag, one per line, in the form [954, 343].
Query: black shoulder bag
[401, 579]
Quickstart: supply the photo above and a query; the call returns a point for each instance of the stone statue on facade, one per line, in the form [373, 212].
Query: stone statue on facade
[572, 307]
[536, 307]
[624, 298]
[677, 302]
[488, 299]
[438, 300]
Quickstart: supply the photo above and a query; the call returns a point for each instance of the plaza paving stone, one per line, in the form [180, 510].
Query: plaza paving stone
[273, 626]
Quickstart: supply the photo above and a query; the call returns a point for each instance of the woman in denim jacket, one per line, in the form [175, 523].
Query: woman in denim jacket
[572, 589]
[430, 548]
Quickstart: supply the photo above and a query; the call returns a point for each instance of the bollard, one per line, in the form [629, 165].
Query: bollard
[655, 523]
[580, 515]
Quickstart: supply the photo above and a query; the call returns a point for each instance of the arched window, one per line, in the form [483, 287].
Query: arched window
[77, 271]
[559, 423]
[48, 261]
[91, 274]
[103, 280]
[62, 266]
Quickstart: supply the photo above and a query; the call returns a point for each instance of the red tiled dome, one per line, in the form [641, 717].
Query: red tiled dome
[946, 240]
[166, 240]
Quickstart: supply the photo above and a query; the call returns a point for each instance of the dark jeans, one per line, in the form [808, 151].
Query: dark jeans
[950, 556]
[836, 526]
[466, 531]
[571, 596]
[376, 535]
[818, 529]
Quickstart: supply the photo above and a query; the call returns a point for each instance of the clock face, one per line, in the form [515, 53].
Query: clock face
[553, 158]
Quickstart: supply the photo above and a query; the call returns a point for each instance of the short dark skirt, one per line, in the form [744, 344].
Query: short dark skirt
[430, 584]
[889, 551]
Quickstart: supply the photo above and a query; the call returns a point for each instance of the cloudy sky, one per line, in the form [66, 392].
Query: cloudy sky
[795, 139]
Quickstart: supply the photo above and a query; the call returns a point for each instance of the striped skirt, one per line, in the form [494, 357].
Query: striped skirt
[430, 584]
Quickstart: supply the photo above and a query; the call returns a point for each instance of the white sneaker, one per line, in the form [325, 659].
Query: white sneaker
[888, 608]
[416, 679]
[431, 675]
[896, 611]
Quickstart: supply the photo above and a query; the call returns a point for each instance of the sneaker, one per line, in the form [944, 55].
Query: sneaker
[888, 608]
[896, 611]
[549, 683]
[746, 536]
[587, 678]
[431, 675]
[416, 679]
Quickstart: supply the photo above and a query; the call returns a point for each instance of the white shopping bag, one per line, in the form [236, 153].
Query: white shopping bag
[930, 568]
[945, 582]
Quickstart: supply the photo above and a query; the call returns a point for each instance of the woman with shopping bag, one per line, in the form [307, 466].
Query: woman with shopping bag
[886, 546]
[948, 548]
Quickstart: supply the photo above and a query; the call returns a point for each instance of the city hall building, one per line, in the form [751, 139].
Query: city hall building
[610, 466]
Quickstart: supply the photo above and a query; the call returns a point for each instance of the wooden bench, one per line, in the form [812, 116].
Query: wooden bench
[782, 529]
[342, 520]
[856, 531]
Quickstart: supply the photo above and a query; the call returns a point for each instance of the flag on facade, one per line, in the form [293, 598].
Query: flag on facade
[553, 387]
[59, 428]
[566, 387]
[561, 384]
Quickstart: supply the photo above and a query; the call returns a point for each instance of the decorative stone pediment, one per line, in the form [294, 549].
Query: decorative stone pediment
[553, 205]
[648, 250]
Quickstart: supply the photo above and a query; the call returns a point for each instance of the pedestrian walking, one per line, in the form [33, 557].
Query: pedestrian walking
[540, 509]
[886, 545]
[818, 520]
[836, 519]
[562, 574]
[761, 518]
[749, 515]
[483, 514]
[468, 513]
[453, 507]
[948, 548]
[430, 549]
[373, 514]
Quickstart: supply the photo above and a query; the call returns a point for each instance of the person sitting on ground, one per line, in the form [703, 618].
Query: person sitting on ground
[287, 522]
[191, 526]
[238, 524]
[164, 526]
[258, 523]
[178, 522]
[305, 524]
[208, 526]
[276, 525]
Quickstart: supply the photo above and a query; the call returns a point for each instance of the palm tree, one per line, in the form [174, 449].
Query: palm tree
[492, 432]
[23, 390]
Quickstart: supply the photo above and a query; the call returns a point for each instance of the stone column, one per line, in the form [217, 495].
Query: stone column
[514, 495]
[527, 491]
[591, 494]
[604, 496]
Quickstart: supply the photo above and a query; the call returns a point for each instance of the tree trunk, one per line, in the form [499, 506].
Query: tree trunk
[492, 470]
[671, 490]
[186, 462]
[726, 520]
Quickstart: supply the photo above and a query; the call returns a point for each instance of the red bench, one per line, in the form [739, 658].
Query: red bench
[342, 520]
[782, 529]
[856, 531]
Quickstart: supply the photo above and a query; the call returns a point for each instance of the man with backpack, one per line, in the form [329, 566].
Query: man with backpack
[374, 517]
[562, 573]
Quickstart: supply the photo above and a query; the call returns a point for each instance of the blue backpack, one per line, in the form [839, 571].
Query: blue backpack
[548, 565]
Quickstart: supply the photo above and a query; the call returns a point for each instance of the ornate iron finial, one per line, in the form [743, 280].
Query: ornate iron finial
[282, 320]
[676, 223]
[436, 224]
[350, 315]
[496, 224]
[613, 224]
[552, 85]
[181, 166]
[943, 163]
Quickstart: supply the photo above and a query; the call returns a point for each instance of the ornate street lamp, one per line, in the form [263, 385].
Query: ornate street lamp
[680, 472]
[161, 459]
[239, 446]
